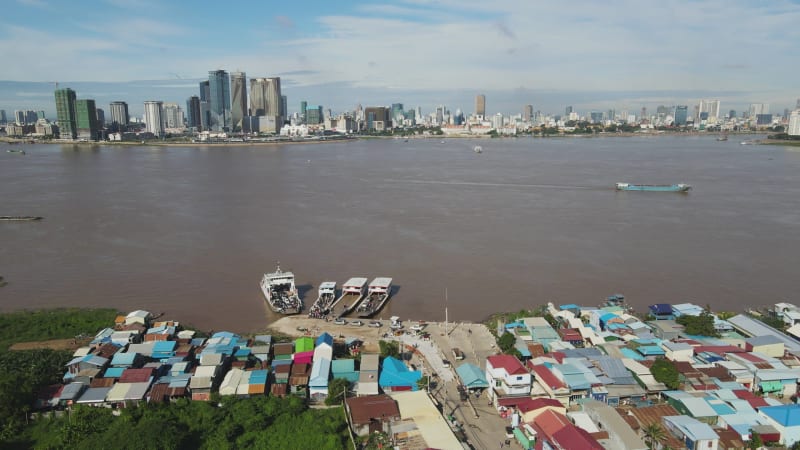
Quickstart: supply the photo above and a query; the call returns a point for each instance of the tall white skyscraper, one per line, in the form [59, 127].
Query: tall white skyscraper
[238, 99]
[154, 117]
[758, 108]
[173, 115]
[794, 123]
[711, 107]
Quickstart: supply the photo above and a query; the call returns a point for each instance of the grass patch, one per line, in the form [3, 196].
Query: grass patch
[48, 324]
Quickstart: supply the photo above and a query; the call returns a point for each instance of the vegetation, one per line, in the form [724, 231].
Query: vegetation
[701, 325]
[266, 423]
[654, 435]
[664, 371]
[506, 342]
[336, 388]
[496, 319]
[389, 348]
[24, 326]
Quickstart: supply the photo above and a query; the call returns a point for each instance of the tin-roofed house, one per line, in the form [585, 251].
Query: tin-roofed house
[395, 376]
[318, 381]
[369, 375]
[372, 414]
[472, 377]
[507, 377]
[344, 368]
[298, 380]
[785, 419]
[695, 435]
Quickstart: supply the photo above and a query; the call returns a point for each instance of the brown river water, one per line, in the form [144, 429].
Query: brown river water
[189, 231]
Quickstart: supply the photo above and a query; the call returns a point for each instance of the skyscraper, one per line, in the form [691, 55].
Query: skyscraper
[101, 118]
[154, 117]
[794, 123]
[173, 115]
[193, 112]
[238, 100]
[377, 118]
[568, 111]
[303, 111]
[65, 111]
[265, 97]
[480, 106]
[314, 115]
[711, 107]
[681, 113]
[527, 113]
[2, 116]
[220, 100]
[86, 119]
[284, 106]
[19, 117]
[119, 115]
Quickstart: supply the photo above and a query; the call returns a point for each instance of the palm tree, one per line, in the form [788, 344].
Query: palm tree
[654, 435]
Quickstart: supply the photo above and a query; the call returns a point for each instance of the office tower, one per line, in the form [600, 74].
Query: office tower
[238, 100]
[154, 117]
[596, 116]
[798, 104]
[86, 119]
[681, 113]
[193, 112]
[732, 114]
[643, 115]
[266, 98]
[786, 113]
[303, 111]
[119, 115]
[274, 96]
[173, 115]
[480, 106]
[284, 106]
[377, 118]
[314, 115]
[611, 114]
[258, 97]
[220, 100]
[757, 109]
[568, 111]
[101, 118]
[794, 123]
[19, 117]
[205, 91]
[205, 106]
[497, 121]
[711, 107]
[65, 113]
[527, 113]
[2, 116]
[397, 109]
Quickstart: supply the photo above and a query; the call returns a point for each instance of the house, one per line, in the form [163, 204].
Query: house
[138, 317]
[81, 363]
[318, 382]
[547, 383]
[372, 414]
[666, 330]
[344, 368]
[695, 435]
[647, 416]
[767, 345]
[678, 351]
[661, 311]
[557, 432]
[324, 347]
[785, 419]
[283, 351]
[304, 344]
[94, 396]
[71, 393]
[694, 406]
[530, 408]
[122, 394]
[620, 434]
[395, 376]
[472, 377]
[507, 378]
[298, 380]
[421, 422]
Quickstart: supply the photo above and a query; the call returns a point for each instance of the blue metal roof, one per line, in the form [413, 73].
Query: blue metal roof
[113, 372]
[395, 373]
[569, 306]
[472, 376]
[650, 350]
[123, 359]
[786, 415]
[324, 338]
[661, 309]
[632, 354]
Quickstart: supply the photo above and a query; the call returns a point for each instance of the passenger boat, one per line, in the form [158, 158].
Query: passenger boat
[325, 299]
[478, 149]
[654, 187]
[379, 292]
[281, 294]
[353, 292]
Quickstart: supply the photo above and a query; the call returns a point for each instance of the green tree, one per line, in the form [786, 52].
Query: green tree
[755, 441]
[654, 435]
[701, 325]
[337, 391]
[664, 371]
[389, 348]
[506, 342]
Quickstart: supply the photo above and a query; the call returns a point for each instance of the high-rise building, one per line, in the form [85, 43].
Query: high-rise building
[596, 116]
[527, 113]
[304, 111]
[314, 115]
[711, 107]
[480, 106]
[238, 100]
[220, 100]
[3, 116]
[101, 118]
[732, 114]
[19, 117]
[193, 112]
[397, 111]
[173, 115]
[568, 111]
[40, 115]
[643, 115]
[258, 97]
[681, 113]
[794, 123]
[377, 118]
[119, 115]
[798, 104]
[154, 117]
[65, 111]
[284, 106]
[757, 109]
[86, 119]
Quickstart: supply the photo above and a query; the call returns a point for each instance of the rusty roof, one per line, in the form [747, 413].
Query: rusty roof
[649, 415]
[380, 407]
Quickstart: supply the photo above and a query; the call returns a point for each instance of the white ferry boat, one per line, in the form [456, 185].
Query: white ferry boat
[325, 299]
[353, 292]
[379, 292]
[281, 294]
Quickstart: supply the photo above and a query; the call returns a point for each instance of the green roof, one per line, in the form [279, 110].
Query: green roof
[304, 344]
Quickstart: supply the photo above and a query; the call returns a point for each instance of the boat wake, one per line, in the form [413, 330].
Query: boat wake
[485, 184]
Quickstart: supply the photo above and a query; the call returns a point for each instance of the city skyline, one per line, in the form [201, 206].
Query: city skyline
[591, 56]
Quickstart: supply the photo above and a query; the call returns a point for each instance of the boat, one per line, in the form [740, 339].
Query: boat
[326, 297]
[378, 294]
[478, 149]
[20, 218]
[654, 187]
[281, 294]
[723, 137]
[21, 152]
[353, 292]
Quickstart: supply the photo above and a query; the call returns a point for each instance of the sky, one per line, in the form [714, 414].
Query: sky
[592, 55]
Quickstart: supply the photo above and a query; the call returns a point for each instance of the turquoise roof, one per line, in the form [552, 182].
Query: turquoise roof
[632, 354]
[113, 372]
[396, 374]
[325, 338]
[472, 376]
[123, 359]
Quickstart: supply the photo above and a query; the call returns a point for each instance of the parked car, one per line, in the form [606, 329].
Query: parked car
[396, 326]
[446, 363]
[357, 323]
[458, 354]
[417, 327]
[340, 322]
[376, 324]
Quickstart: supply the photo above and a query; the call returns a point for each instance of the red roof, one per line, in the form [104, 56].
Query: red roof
[551, 422]
[719, 349]
[755, 402]
[510, 363]
[750, 357]
[532, 404]
[546, 377]
[136, 375]
[573, 437]
[511, 401]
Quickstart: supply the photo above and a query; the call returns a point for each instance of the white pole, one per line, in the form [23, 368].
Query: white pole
[445, 311]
